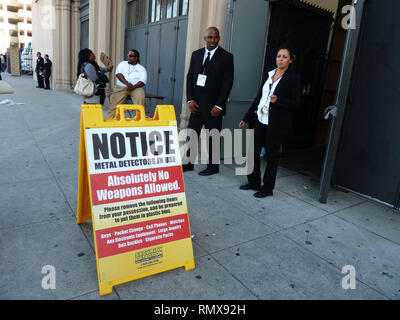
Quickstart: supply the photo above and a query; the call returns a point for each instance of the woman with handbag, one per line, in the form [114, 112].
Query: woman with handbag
[271, 113]
[88, 66]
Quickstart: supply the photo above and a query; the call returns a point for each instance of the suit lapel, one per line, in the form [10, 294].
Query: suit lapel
[215, 58]
[282, 81]
[199, 59]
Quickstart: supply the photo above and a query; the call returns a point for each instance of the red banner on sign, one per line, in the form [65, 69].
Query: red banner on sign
[138, 184]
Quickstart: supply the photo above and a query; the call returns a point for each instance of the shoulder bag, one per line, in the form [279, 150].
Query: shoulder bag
[84, 86]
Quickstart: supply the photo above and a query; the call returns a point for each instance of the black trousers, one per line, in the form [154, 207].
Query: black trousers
[47, 80]
[40, 80]
[102, 94]
[272, 142]
[196, 122]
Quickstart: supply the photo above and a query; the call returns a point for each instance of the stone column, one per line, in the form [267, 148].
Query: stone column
[117, 35]
[107, 30]
[75, 38]
[62, 68]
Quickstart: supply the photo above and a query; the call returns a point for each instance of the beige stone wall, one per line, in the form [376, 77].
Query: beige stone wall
[107, 30]
[56, 31]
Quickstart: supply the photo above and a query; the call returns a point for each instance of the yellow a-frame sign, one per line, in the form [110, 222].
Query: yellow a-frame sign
[131, 187]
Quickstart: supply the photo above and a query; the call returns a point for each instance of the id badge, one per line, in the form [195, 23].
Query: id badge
[264, 111]
[201, 80]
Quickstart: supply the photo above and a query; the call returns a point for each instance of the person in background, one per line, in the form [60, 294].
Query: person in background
[2, 63]
[87, 64]
[39, 69]
[131, 78]
[47, 69]
[271, 113]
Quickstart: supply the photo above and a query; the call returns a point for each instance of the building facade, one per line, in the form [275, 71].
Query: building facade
[15, 31]
[15, 23]
[166, 32]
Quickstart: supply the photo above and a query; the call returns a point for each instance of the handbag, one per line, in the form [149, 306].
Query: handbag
[84, 86]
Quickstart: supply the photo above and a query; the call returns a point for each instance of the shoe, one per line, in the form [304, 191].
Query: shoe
[47, 89]
[263, 194]
[249, 187]
[209, 172]
[188, 167]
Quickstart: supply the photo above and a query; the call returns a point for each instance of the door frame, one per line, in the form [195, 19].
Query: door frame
[350, 52]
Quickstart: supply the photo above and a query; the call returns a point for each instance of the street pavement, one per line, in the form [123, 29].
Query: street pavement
[288, 246]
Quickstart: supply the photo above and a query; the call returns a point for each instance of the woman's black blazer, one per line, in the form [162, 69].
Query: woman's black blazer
[281, 113]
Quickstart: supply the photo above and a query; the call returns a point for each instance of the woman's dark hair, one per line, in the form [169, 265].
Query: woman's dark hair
[84, 57]
[289, 49]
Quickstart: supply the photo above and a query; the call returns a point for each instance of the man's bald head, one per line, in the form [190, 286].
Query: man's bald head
[212, 38]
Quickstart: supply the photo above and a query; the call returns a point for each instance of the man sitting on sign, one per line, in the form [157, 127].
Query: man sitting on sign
[131, 78]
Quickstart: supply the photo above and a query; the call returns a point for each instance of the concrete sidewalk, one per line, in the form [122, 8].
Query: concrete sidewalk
[288, 246]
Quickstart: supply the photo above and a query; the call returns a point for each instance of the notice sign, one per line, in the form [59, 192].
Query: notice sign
[139, 210]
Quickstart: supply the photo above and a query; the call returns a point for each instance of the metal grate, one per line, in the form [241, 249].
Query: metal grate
[27, 62]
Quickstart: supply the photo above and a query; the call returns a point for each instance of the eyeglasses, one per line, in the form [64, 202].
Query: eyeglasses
[132, 56]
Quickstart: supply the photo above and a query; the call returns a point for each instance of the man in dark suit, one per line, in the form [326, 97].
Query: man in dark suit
[39, 69]
[208, 86]
[47, 69]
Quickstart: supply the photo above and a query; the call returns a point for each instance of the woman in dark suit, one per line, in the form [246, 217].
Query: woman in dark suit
[271, 115]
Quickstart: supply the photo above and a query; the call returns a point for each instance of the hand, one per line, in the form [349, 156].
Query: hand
[216, 112]
[193, 106]
[242, 124]
[131, 87]
[273, 98]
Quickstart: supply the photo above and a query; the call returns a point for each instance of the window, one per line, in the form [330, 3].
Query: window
[148, 11]
[185, 7]
[84, 34]
[137, 12]
[167, 9]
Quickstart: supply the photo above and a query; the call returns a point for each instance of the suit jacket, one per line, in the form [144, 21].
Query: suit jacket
[47, 67]
[220, 74]
[281, 113]
[39, 64]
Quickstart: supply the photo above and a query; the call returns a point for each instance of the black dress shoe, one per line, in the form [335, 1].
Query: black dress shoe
[249, 187]
[209, 172]
[263, 194]
[188, 167]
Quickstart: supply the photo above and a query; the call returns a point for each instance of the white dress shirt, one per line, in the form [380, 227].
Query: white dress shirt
[211, 53]
[268, 91]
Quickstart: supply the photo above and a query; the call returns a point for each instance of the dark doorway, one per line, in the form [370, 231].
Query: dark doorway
[306, 29]
[368, 160]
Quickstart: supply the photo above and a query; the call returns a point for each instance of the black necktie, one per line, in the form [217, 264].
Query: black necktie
[206, 62]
